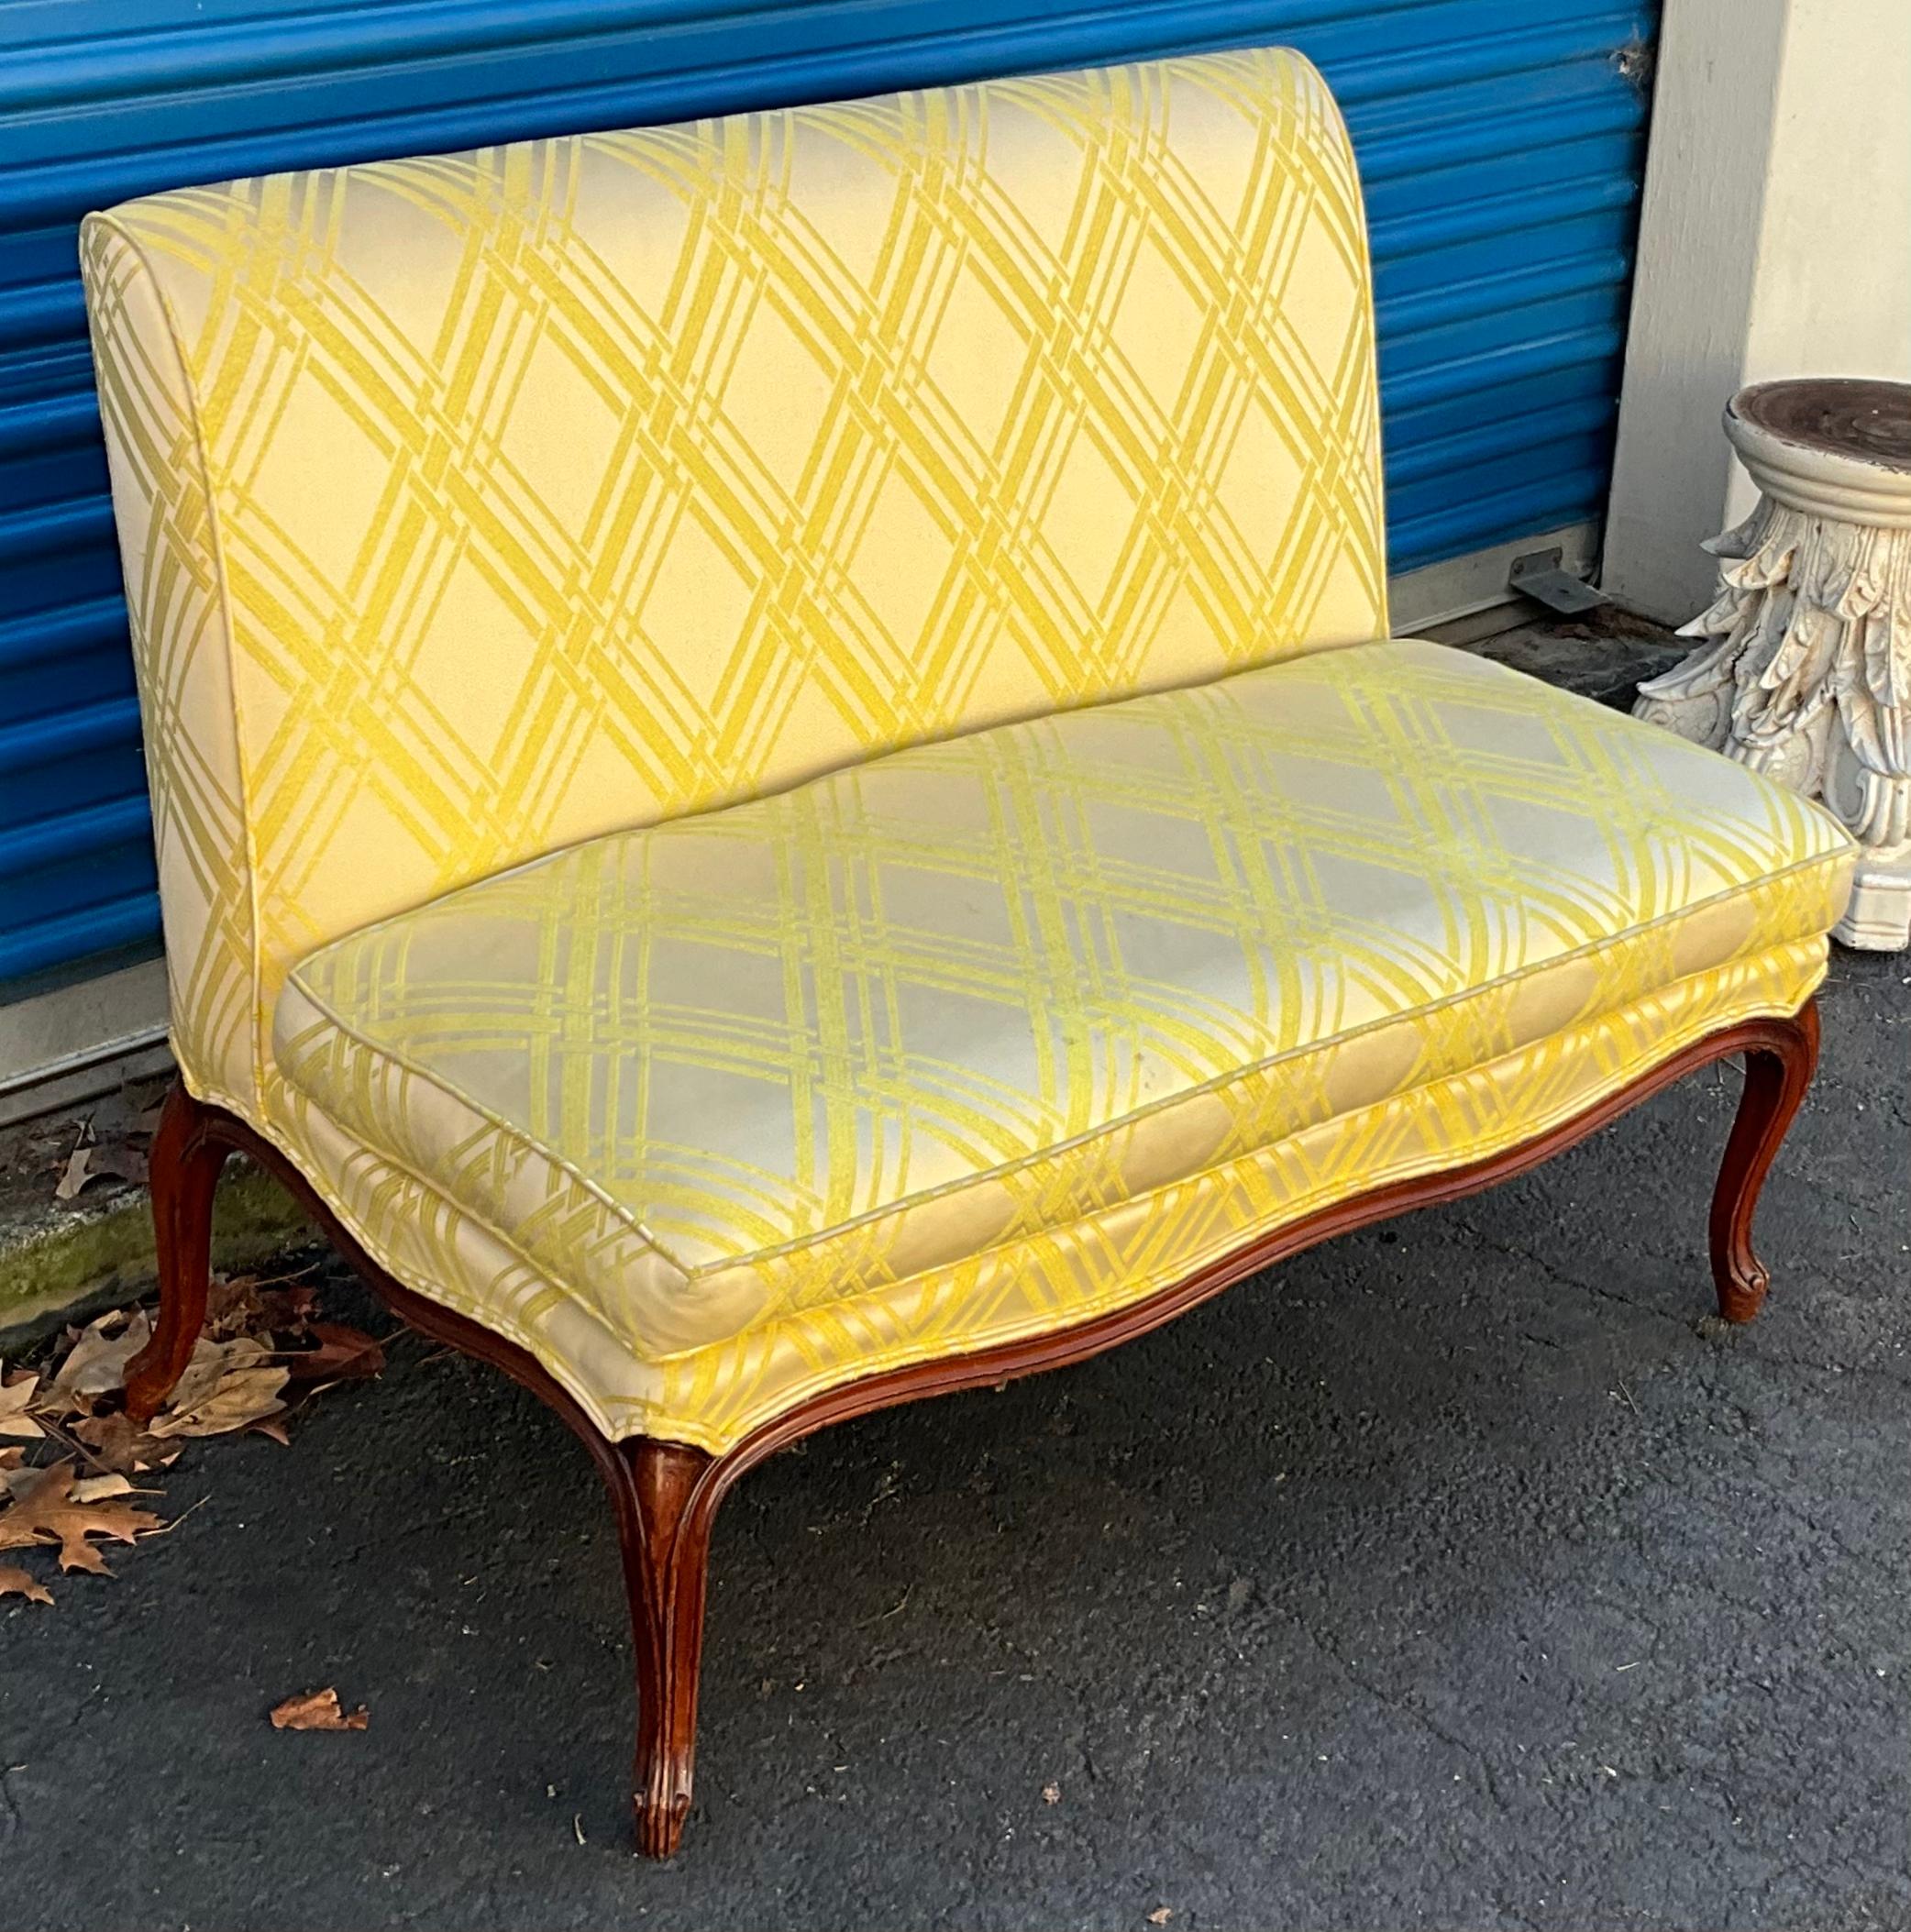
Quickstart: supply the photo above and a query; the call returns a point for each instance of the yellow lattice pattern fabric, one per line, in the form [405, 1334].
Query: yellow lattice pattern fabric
[475, 505]
[715, 1395]
[799, 691]
[759, 1072]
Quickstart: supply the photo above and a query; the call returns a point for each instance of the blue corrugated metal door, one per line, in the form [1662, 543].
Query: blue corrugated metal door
[1501, 142]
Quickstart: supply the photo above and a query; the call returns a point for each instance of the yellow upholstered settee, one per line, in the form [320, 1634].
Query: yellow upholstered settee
[780, 782]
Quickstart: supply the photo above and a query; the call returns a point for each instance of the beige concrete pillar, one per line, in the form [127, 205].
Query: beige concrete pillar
[1774, 241]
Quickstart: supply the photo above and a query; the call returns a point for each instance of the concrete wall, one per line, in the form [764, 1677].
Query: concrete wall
[1775, 240]
[70, 1041]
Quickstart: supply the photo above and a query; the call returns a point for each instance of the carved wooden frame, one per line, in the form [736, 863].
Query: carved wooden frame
[666, 1494]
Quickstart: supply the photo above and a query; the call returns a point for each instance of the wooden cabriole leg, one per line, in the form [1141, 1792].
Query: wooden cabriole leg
[1778, 1070]
[184, 1162]
[666, 1499]
[665, 1493]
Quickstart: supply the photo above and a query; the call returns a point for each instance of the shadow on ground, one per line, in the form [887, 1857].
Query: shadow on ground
[1455, 1575]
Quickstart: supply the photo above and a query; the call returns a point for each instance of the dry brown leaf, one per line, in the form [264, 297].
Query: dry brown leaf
[96, 1363]
[96, 1489]
[274, 1427]
[79, 1171]
[209, 1364]
[1161, 1916]
[16, 1582]
[240, 1398]
[244, 1305]
[118, 1443]
[46, 1511]
[1051, 1794]
[232, 1306]
[119, 1159]
[14, 1397]
[286, 1311]
[317, 1711]
[343, 1354]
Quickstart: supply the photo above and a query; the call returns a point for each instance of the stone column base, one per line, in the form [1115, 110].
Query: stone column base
[1878, 919]
[1805, 673]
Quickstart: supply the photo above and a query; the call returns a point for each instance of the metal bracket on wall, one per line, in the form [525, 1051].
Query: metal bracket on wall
[1538, 575]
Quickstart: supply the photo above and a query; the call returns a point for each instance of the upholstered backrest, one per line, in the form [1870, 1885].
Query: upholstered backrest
[474, 505]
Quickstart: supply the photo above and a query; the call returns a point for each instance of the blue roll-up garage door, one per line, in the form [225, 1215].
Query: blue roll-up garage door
[1501, 142]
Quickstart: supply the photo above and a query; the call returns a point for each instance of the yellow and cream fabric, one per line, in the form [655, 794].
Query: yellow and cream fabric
[866, 1071]
[473, 505]
[800, 693]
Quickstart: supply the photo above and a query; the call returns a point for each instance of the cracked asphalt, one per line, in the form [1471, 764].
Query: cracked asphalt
[1459, 1574]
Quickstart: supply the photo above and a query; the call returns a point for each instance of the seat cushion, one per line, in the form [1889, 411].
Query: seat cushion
[787, 1061]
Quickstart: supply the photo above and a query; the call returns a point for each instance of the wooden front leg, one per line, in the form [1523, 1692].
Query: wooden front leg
[666, 1503]
[184, 1162]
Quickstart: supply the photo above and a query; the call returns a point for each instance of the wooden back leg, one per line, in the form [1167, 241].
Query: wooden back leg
[1778, 1069]
[185, 1161]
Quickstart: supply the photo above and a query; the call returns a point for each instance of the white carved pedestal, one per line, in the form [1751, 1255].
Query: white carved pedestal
[1805, 672]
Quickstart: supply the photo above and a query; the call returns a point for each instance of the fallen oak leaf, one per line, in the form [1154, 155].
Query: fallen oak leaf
[14, 1397]
[317, 1711]
[96, 1363]
[208, 1365]
[16, 1582]
[247, 1304]
[45, 1510]
[94, 1160]
[287, 1312]
[343, 1354]
[274, 1427]
[118, 1443]
[236, 1400]
[119, 1159]
[79, 1171]
[96, 1489]
[232, 1306]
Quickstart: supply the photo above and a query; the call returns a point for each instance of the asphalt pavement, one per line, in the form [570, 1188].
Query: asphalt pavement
[1459, 1574]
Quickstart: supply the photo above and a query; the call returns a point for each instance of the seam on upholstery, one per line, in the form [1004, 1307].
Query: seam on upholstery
[1272, 1061]
[791, 1395]
[1225, 674]
[657, 1417]
[454, 1092]
[512, 1329]
[1371, 373]
[707, 1270]
[208, 1096]
[109, 220]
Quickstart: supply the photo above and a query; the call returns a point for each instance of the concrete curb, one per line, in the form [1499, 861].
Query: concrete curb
[98, 1253]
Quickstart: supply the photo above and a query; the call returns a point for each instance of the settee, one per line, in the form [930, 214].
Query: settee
[780, 782]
